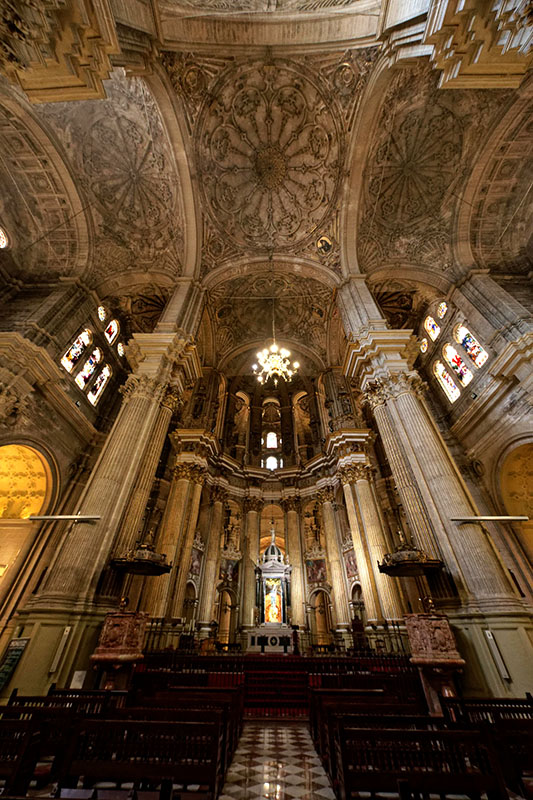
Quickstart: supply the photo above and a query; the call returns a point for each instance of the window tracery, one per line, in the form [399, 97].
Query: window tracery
[431, 328]
[446, 382]
[76, 350]
[452, 357]
[84, 376]
[112, 330]
[470, 345]
[99, 385]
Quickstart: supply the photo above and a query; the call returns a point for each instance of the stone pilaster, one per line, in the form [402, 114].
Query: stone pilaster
[374, 613]
[376, 543]
[325, 498]
[74, 575]
[292, 507]
[131, 522]
[180, 515]
[252, 510]
[212, 559]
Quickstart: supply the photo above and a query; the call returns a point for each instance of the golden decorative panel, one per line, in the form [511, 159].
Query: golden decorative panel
[24, 482]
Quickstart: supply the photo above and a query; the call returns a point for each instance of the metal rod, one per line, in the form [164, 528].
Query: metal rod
[79, 517]
[489, 519]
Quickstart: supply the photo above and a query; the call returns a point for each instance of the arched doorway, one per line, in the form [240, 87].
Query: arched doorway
[320, 618]
[516, 480]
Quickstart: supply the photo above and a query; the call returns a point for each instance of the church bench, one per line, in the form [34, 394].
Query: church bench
[19, 753]
[144, 752]
[491, 710]
[442, 762]
[83, 702]
[339, 722]
[213, 715]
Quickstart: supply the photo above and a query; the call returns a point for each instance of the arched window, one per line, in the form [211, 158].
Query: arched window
[471, 346]
[120, 349]
[431, 328]
[442, 310]
[111, 332]
[76, 350]
[102, 314]
[99, 385]
[424, 346]
[446, 382]
[271, 462]
[84, 376]
[272, 440]
[4, 239]
[455, 361]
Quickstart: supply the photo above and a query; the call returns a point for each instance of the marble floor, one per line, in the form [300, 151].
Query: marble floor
[276, 761]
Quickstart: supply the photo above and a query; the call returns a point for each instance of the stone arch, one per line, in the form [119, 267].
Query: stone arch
[516, 491]
[27, 480]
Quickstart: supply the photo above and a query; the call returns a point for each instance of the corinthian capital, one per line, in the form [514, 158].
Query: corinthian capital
[218, 494]
[391, 386]
[142, 387]
[252, 504]
[189, 472]
[325, 495]
[291, 504]
[171, 399]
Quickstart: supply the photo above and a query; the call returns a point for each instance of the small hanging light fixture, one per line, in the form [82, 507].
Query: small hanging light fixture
[274, 361]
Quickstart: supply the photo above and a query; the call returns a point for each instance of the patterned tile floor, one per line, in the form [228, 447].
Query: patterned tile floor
[276, 761]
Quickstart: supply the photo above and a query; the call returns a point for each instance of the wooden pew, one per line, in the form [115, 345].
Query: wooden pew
[144, 752]
[443, 762]
[19, 752]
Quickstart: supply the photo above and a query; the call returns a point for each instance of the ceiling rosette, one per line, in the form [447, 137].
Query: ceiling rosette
[269, 156]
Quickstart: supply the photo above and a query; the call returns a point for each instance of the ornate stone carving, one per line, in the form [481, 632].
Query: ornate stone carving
[57, 49]
[356, 472]
[380, 391]
[325, 495]
[262, 6]
[268, 154]
[253, 504]
[314, 552]
[218, 494]
[141, 386]
[189, 472]
[432, 641]
[198, 542]
[243, 309]
[122, 638]
[143, 309]
[291, 504]
[172, 399]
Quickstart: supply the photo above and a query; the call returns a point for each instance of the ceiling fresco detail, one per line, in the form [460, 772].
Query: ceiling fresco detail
[242, 310]
[258, 6]
[121, 153]
[38, 201]
[269, 156]
[417, 168]
[502, 221]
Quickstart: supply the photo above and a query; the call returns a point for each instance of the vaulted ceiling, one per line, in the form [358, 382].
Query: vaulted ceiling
[269, 175]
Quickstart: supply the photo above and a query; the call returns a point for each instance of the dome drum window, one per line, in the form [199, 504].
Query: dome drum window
[451, 356]
[470, 345]
[446, 382]
[431, 328]
[76, 350]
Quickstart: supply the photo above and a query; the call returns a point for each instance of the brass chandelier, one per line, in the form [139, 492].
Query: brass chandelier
[274, 361]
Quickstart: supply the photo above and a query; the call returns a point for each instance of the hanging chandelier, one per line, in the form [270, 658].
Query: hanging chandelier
[274, 362]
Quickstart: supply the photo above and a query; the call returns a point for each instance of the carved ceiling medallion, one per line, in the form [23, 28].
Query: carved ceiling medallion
[268, 156]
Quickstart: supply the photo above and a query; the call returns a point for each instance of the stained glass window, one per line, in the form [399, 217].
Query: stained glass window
[102, 314]
[76, 350]
[271, 462]
[120, 349]
[432, 328]
[99, 385]
[446, 382]
[470, 344]
[457, 364]
[442, 309]
[424, 346]
[111, 332]
[4, 238]
[84, 376]
[272, 440]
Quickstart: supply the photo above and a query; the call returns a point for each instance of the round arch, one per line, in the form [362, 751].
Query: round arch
[27, 480]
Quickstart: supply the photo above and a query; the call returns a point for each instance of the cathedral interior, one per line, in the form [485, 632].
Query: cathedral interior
[266, 334]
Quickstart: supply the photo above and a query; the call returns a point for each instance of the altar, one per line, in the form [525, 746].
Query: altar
[270, 639]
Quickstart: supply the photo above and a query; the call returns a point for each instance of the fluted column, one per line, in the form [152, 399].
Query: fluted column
[173, 531]
[325, 498]
[252, 510]
[198, 475]
[366, 576]
[131, 522]
[212, 559]
[475, 565]
[76, 570]
[291, 507]
[377, 545]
